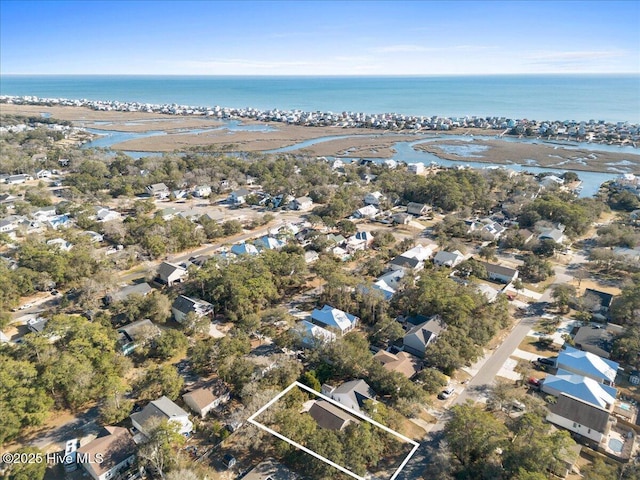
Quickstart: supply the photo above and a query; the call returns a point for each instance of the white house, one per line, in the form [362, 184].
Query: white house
[368, 211]
[202, 191]
[115, 447]
[585, 419]
[244, 249]
[162, 409]
[500, 273]
[448, 259]
[555, 234]
[302, 204]
[61, 243]
[42, 213]
[43, 174]
[585, 363]
[416, 168]
[18, 179]
[359, 241]
[238, 197]
[106, 215]
[168, 273]
[330, 317]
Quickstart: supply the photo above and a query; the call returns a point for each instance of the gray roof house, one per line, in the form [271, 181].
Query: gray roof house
[118, 451]
[158, 190]
[597, 339]
[183, 305]
[418, 209]
[169, 273]
[448, 259]
[419, 337]
[269, 469]
[500, 273]
[124, 293]
[585, 419]
[351, 394]
[330, 416]
[158, 410]
[239, 196]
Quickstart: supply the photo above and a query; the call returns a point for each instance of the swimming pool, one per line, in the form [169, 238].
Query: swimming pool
[616, 445]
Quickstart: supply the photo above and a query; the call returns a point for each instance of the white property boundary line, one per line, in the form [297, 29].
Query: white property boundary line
[252, 420]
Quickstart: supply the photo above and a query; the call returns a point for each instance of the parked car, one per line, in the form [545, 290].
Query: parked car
[534, 382]
[446, 393]
[547, 361]
[229, 460]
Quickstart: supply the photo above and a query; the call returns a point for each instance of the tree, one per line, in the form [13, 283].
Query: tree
[535, 269]
[28, 470]
[563, 294]
[599, 470]
[432, 380]
[160, 380]
[161, 445]
[473, 435]
[169, 343]
[310, 380]
[196, 324]
[625, 308]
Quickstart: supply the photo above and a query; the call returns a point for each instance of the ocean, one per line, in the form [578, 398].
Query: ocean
[612, 98]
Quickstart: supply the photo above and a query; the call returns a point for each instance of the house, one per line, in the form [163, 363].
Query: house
[7, 199]
[551, 181]
[95, 237]
[420, 252]
[584, 388]
[158, 190]
[492, 231]
[42, 213]
[9, 224]
[184, 305]
[604, 299]
[178, 194]
[373, 198]
[585, 419]
[419, 337]
[311, 335]
[448, 259]
[587, 364]
[402, 362]
[136, 334]
[59, 221]
[302, 204]
[270, 470]
[409, 264]
[18, 179]
[597, 339]
[418, 209]
[203, 400]
[500, 273]
[330, 317]
[311, 256]
[368, 211]
[124, 293]
[351, 394]
[61, 244]
[359, 241]
[490, 293]
[401, 218]
[330, 416]
[555, 234]
[202, 191]
[238, 197]
[116, 449]
[36, 325]
[416, 168]
[269, 243]
[389, 283]
[158, 410]
[169, 273]
[166, 213]
[106, 215]
[244, 249]
[43, 174]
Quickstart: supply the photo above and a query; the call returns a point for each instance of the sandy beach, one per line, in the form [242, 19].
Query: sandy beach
[361, 142]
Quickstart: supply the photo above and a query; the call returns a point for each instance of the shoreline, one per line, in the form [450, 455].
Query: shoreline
[358, 142]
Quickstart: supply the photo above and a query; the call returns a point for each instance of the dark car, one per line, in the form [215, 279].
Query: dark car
[229, 460]
[547, 361]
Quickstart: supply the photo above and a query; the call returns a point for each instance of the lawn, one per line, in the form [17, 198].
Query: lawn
[533, 345]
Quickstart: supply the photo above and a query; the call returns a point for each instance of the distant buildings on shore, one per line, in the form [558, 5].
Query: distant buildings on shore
[619, 133]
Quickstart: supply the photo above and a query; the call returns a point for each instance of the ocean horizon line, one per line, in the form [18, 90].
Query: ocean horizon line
[388, 75]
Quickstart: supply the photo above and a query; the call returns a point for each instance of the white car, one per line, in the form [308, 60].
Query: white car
[446, 393]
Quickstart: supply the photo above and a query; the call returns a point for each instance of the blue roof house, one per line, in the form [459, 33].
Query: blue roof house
[587, 364]
[583, 388]
[244, 249]
[330, 317]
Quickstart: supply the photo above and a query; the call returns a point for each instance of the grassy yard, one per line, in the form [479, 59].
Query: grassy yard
[532, 345]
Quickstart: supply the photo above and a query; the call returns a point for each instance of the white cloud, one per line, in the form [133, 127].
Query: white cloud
[413, 48]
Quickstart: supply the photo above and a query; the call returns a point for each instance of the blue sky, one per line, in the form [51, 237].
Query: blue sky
[319, 38]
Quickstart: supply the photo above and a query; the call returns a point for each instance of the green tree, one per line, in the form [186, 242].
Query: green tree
[473, 435]
[160, 450]
[563, 294]
[32, 470]
[160, 380]
[169, 343]
[600, 470]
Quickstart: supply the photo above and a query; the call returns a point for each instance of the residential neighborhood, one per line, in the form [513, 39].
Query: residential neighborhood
[150, 314]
